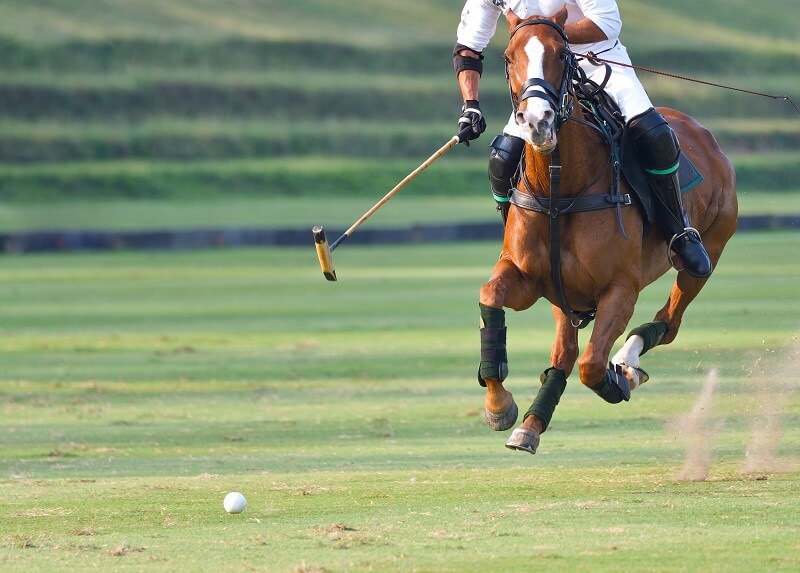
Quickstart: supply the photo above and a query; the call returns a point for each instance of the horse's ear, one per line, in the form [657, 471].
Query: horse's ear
[560, 17]
[513, 20]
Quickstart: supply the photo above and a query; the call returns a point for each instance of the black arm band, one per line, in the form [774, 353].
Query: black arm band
[461, 63]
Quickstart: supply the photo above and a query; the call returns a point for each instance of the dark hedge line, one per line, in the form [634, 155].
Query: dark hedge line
[388, 145]
[188, 100]
[234, 54]
[119, 54]
[176, 148]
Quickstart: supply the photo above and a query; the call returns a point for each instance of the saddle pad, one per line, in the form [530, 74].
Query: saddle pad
[688, 175]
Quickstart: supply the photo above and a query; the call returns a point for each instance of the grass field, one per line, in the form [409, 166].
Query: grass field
[138, 388]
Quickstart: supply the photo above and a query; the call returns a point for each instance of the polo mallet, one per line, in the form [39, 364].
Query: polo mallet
[324, 252]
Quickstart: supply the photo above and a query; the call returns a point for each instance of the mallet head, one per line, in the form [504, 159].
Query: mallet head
[324, 253]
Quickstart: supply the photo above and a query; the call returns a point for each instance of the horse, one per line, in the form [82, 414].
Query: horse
[592, 263]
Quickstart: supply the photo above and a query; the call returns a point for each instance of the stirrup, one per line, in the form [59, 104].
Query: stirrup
[686, 231]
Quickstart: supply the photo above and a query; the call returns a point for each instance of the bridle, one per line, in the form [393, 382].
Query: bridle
[558, 99]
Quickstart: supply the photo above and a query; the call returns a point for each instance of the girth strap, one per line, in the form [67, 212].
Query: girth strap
[568, 204]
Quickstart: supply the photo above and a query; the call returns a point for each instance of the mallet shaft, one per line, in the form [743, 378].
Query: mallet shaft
[324, 250]
[442, 150]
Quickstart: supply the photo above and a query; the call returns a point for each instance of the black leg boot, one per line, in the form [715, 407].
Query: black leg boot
[504, 164]
[683, 240]
[658, 150]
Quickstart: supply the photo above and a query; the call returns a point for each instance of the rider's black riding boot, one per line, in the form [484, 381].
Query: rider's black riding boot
[682, 238]
[657, 148]
[504, 162]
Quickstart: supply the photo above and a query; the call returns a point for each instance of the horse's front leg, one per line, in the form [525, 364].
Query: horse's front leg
[607, 380]
[506, 288]
[554, 381]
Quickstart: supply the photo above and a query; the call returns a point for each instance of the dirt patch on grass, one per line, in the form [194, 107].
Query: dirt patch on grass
[125, 549]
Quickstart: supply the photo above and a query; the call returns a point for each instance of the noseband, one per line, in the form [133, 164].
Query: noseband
[558, 99]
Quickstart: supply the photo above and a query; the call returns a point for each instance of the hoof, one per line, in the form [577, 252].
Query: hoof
[503, 421]
[636, 376]
[523, 440]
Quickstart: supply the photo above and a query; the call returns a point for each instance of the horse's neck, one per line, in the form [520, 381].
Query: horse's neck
[581, 155]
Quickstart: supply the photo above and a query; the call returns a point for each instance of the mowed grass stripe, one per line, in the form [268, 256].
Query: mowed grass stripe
[472, 205]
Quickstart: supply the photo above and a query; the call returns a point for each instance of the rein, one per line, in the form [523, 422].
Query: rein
[592, 57]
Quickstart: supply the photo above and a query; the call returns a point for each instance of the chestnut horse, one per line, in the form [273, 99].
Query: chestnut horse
[605, 257]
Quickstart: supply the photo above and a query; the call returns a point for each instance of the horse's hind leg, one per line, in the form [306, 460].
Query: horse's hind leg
[506, 288]
[554, 381]
[667, 321]
[662, 330]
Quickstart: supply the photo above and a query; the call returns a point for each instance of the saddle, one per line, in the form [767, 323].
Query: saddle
[602, 112]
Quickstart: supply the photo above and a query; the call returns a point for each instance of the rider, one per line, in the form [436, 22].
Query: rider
[592, 26]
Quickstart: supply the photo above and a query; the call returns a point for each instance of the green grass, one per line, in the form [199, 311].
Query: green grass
[138, 388]
[461, 173]
[304, 212]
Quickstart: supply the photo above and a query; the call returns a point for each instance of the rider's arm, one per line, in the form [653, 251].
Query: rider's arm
[476, 28]
[584, 32]
[478, 24]
[601, 22]
[468, 81]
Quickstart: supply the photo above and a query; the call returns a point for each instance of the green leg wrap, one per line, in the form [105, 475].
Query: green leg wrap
[652, 333]
[494, 361]
[553, 384]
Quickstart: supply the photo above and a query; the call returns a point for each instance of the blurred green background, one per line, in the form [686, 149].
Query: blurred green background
[119, 114]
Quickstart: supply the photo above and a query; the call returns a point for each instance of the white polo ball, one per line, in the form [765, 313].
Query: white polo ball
[234, 502]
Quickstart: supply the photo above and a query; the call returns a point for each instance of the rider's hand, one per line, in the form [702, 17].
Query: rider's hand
[471, 123]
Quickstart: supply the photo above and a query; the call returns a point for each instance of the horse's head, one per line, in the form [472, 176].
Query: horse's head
[539, 66]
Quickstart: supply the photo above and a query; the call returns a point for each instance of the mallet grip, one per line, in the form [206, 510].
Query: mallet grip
[324, 253]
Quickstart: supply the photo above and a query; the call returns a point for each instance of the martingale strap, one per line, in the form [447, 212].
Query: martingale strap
[554, 206]
[579, 319]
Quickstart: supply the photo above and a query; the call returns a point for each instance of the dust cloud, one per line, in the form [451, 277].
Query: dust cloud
[774, 384]
[699, 430]
[771, 383]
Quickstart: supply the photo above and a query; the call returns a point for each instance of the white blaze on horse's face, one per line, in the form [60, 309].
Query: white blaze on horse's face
[535, 116]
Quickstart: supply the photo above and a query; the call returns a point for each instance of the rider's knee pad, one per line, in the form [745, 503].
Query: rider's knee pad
[656, 144]
[505, 156]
